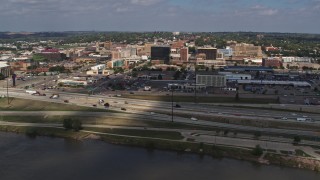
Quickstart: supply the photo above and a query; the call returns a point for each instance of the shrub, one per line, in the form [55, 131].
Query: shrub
[257, 151]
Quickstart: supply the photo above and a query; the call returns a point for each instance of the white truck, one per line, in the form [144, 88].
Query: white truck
[31, 91]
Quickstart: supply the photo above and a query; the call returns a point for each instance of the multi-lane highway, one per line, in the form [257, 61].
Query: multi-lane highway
[148, 110]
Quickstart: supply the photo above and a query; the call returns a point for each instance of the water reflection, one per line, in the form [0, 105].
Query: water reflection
[42, 158]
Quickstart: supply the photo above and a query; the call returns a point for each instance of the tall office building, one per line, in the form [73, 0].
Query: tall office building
[161, 53]
[211, 53]
[184, 52]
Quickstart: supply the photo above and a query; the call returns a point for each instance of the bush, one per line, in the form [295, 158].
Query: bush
[257, 151]
[76, 125]
[296, 139]
[67, 124]
[226, 132]
[257, 134]
[32, 132]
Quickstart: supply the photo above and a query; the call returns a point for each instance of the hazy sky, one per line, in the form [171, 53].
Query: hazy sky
[161, 15]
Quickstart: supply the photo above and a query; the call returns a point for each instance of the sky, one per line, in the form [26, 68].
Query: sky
[297, 16]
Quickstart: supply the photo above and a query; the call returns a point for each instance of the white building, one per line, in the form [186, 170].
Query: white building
[234, 77]
[212, 80]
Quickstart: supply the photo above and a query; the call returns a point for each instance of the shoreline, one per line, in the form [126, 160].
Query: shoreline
[216, 151]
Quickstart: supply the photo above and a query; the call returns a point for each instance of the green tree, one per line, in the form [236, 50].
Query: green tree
[257, 151]
[134, 74]
[226, 132]
[76, 125]
[67, 123]
[257, 134]
[296, 139]
[1, 76]
[176, 75]
[237, 97]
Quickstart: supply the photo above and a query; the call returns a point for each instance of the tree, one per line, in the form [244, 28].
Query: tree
[134, 74]
[1, 76]
[212, 68]
[76, 125]
[296, 139]
[67, 123]
[226, 132]
[257, 134]
[176, 75]
[257, 151]
[237, 97]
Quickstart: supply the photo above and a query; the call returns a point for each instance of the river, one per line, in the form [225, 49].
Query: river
[44, 158]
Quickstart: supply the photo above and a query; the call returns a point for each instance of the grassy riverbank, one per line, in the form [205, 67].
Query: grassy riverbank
[167, 144]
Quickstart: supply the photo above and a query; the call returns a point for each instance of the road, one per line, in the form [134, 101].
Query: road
[201, 109]
[144, 116]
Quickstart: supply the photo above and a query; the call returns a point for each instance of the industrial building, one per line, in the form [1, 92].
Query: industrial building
[286, 83]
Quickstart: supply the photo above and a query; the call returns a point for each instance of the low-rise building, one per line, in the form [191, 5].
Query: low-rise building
[212, 80]
[5, 69]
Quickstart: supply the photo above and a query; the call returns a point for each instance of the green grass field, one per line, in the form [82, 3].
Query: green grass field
[203, 99]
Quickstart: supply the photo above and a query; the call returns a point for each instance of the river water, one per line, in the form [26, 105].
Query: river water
[43, 158]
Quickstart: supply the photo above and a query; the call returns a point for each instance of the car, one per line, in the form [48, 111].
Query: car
[284, 118]
[66, 101]
[123, 109]
[178, 106]
[94, 105]
[194, 119]
[131, 92]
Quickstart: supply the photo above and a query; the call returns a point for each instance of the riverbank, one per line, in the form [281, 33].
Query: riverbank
[152, 143]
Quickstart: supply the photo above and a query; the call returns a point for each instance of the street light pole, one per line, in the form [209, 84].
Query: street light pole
[8, 90]
[171, 104]
[195, 83]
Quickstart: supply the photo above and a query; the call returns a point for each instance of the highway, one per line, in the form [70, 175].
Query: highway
[153, 106]
[147, 110]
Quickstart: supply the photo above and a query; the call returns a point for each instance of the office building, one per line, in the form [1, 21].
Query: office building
[210, 53]
[184, 54]
[161, 53]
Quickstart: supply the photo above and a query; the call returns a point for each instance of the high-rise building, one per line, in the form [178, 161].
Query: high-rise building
[161, 53]
[211, 53]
